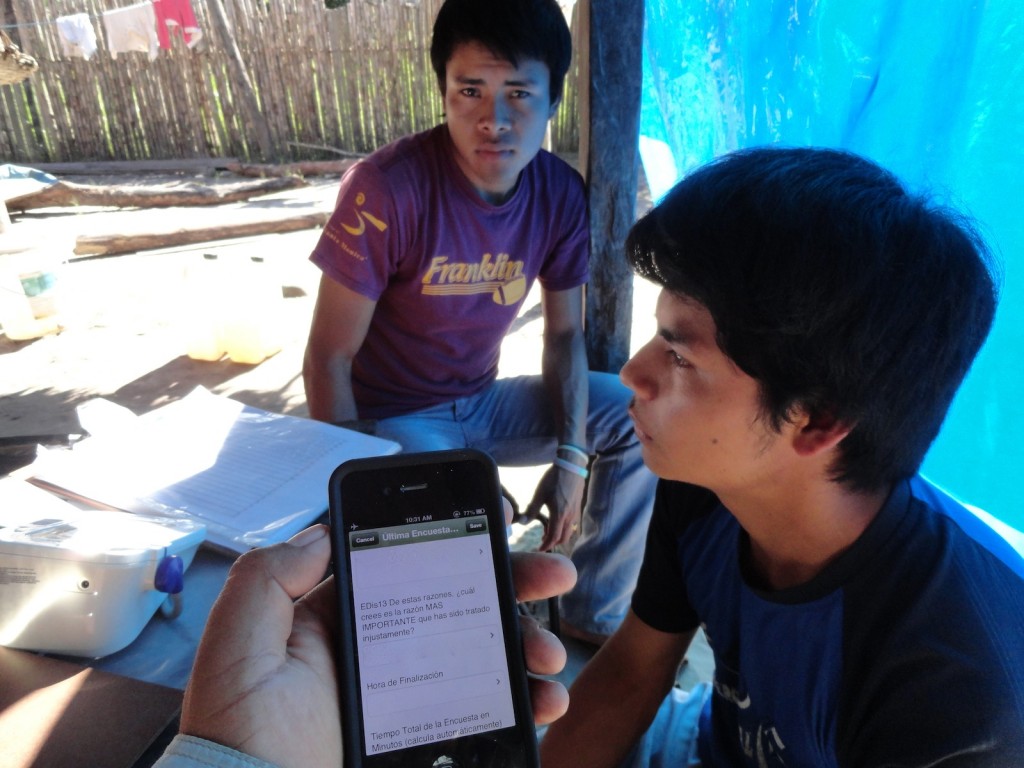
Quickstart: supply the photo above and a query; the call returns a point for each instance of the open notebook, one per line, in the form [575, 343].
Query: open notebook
[253, 477]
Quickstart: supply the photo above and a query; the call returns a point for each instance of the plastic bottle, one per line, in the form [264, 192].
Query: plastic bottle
[28, 294]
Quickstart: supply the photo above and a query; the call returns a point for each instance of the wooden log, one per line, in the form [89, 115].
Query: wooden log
[307, 168]
[65, 193]
[114, 244]
[325, 148]
[611, 40]
[101, 167]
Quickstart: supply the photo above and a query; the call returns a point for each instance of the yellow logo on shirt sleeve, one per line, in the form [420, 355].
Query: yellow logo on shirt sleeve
[361, 218]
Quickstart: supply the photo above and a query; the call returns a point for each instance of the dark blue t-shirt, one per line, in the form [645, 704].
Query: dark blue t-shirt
[907, 649]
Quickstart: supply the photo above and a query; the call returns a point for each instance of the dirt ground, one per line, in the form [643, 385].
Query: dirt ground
[125, 319]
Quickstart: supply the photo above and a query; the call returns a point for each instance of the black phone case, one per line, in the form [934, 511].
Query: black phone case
[473, 751]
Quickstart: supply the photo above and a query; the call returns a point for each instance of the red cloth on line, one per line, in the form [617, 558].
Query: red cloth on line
[176, 14]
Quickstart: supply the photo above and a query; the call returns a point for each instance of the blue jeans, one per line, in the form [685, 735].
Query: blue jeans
[512, 422]
[671, 741]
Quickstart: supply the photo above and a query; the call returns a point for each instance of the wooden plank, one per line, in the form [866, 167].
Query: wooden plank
[302, 82]
[299, 168]
[174, 137]
[99, 167]
[266, 67]
[156, 138]
[204, 137]
[609, 157]
[76, 102]
[65, 193]
[113, 244]
[10, 130]
[324, 83]
[349, 77]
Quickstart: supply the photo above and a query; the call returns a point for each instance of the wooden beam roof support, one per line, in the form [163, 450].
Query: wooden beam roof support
[611, 42]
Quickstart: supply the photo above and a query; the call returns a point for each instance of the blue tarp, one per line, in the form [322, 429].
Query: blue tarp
[17, 180]
[932, 89]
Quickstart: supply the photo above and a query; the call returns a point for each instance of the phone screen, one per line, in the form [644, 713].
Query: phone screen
[437, 664]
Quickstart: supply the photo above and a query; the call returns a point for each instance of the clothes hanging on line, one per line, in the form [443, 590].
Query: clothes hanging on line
[77, 36]
[132, 29]
[128, 29]
[176, 15]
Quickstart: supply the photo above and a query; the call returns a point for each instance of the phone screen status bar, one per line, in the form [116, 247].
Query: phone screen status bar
[469, 512]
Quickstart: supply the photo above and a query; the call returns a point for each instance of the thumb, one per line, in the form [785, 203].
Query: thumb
[254, 611]
[245, 642]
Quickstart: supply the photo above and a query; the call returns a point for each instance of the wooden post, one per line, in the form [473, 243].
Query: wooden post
[611, 42]
[242, 83]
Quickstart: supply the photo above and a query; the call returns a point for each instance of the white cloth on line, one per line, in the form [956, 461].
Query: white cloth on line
[77, 35]
[132, 29]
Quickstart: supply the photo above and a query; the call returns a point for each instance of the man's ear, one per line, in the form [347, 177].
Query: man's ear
[818, 432]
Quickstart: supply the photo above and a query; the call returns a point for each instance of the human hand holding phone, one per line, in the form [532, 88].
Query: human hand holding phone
[264, 677]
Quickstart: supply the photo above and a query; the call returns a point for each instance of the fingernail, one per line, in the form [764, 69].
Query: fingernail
[308, 536]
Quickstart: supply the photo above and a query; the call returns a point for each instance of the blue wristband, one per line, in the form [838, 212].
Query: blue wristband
[568, 466]
[570, 448]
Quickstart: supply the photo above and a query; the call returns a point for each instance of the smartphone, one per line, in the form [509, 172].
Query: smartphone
[430, 662]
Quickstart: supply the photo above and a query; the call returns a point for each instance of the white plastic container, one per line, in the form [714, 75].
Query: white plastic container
[203, 305]
[28, 294]
[252, 328]
[235, 307]
[83, 582]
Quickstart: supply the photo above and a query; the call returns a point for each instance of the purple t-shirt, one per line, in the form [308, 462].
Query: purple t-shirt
[448, 271]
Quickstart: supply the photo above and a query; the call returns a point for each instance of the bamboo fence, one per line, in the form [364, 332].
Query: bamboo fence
[325, 81]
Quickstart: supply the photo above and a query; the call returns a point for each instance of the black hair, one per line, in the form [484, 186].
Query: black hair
[839, 291]
[510, 29]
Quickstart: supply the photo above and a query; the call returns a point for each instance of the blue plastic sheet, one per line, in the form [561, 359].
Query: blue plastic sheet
[931, 89]
[16, 180]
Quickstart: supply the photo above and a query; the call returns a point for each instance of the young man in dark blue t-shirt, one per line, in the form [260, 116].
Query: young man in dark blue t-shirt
[815, 321]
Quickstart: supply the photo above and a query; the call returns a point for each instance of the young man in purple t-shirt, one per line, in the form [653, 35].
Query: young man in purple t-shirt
[435, 242]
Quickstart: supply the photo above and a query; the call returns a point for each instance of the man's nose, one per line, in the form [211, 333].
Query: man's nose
[495, 116]
[633, 376]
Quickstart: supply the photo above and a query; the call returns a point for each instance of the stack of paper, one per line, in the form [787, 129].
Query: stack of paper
[253, 477]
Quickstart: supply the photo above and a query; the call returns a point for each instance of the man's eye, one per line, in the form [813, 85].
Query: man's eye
[470, 92]
[521, 94]
[676, 360]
